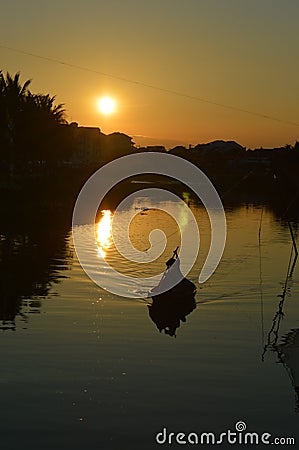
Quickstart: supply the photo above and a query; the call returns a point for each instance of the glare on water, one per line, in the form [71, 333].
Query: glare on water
[104, 233]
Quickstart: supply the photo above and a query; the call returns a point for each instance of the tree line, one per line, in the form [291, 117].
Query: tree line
[34, 133]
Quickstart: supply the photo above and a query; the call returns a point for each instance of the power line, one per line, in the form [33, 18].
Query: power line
[151, 86]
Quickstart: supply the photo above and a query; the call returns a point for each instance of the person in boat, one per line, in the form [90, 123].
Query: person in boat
[173, 259]
[171, 277]
[173, 280]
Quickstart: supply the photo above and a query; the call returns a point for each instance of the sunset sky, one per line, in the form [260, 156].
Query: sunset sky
[239, 53]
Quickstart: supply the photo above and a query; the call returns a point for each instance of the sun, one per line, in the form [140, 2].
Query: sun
[106, 105]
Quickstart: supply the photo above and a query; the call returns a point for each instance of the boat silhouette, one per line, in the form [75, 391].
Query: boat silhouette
[172, 299]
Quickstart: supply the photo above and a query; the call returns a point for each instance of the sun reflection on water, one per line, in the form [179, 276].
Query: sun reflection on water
[104, 233]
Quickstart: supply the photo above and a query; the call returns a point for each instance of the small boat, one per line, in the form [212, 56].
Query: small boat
[170, 306]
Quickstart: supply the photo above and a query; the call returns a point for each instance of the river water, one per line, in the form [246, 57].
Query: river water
[83, 368]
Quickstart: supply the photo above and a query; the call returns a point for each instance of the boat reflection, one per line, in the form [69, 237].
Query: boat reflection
[104, 233]
[168, 309]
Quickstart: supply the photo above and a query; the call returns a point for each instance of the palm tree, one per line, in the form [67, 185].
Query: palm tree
[13, 97]
[41, 127]
[30, 124]
[45, 106]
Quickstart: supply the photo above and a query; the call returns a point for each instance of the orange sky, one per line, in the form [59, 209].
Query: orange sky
[237, 53]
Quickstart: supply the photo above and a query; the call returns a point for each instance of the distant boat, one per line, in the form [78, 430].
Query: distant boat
[171, 305]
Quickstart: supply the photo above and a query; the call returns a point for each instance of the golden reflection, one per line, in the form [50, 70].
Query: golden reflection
[104, 232]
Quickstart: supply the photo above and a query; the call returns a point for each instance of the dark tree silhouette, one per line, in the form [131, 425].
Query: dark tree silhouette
[40, 129]
[12, 104]
[29, 125]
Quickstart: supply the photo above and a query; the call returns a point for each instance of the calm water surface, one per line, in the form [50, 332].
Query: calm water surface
[83, 368]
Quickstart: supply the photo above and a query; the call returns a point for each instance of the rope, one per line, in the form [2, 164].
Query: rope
[150, 86]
